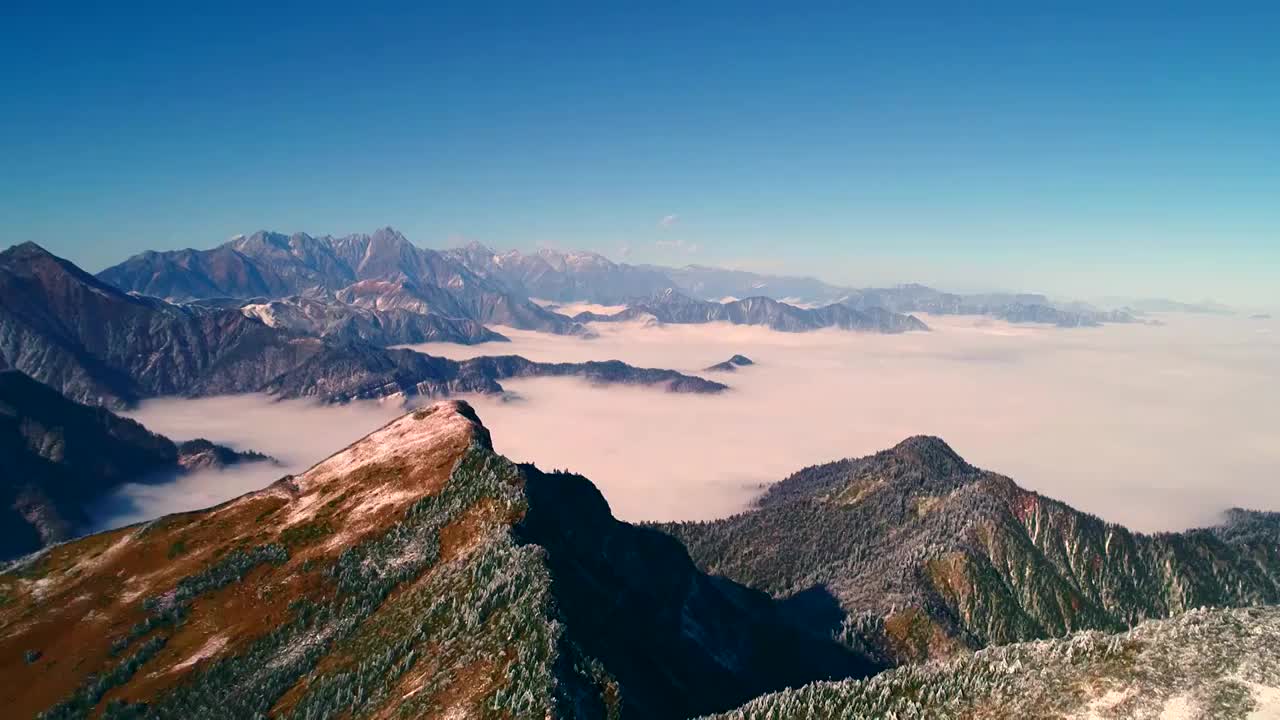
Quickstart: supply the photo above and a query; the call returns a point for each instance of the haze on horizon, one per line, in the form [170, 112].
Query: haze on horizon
[1082, 151]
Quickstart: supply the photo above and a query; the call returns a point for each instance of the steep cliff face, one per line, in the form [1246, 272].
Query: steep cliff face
[59, 456]
[415, 573]
[925, 556]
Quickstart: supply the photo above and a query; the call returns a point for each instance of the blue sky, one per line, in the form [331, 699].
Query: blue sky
[1071, 148]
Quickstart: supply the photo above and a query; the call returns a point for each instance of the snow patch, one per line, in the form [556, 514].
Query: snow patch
[1179, 707]
[400, 439]
[211, 647]
[261, 312]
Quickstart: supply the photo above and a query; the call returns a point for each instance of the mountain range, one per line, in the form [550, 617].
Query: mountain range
[383, 270]
[584, 276]
[913, 554]
[1010, 307]
[414, 573]
[60, 456]
[97, 344]
[669, 306]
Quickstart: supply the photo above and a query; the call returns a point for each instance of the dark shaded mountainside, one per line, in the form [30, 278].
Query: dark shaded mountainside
[670, 306]
[913, 554]
[414, 574]
[97, 344]
[59, 456]
[377, 272]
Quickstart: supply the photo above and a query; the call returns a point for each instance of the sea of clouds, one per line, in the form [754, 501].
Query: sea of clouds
[1157, 427]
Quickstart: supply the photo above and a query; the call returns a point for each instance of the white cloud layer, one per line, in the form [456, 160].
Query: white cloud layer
[1154, 427]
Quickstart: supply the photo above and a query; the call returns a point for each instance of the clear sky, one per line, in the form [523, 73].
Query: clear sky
[1073, 148]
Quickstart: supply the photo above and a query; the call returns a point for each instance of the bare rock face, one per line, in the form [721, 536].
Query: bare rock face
[413, 573]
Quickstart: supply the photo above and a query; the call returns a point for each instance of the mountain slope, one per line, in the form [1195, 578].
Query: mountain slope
[59, 456]
[97, 344]
[1206, 663]
[670, 306]
[384, 268]
[914, 554]
[326, 316]
[415, 573]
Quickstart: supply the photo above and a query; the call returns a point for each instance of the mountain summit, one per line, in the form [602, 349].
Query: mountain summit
[920, 555]
[414, 573]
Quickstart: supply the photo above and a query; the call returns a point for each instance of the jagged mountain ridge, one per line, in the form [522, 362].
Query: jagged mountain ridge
[916, 554]
[549, 274]
[97, 344]
[273, 265]
[474, 282]
[585, 276]
[60, 456]
[1205, 663]
[416, 572]
[670, 306]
